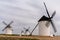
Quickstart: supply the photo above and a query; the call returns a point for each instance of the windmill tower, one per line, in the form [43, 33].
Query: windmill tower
[44, 24]
[8, 29]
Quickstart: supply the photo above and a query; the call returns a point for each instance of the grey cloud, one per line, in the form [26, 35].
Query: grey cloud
[24, 14]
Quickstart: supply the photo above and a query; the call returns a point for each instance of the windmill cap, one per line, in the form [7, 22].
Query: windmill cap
[44, 18]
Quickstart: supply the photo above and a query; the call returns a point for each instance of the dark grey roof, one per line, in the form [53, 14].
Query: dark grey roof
[44, 18]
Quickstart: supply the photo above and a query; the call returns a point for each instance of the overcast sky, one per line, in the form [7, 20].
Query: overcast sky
[26, 13]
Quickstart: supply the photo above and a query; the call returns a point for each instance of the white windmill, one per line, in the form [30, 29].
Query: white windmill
[8, 29]
[26, 31]
[22, 32]
[44, 24]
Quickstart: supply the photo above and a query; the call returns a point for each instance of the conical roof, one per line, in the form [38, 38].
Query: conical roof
[44, 18]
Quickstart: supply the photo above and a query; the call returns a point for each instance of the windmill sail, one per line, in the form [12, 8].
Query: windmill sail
[51, 17]
[47, 10]
[53, 14]
[7, 25]
[34, 28]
